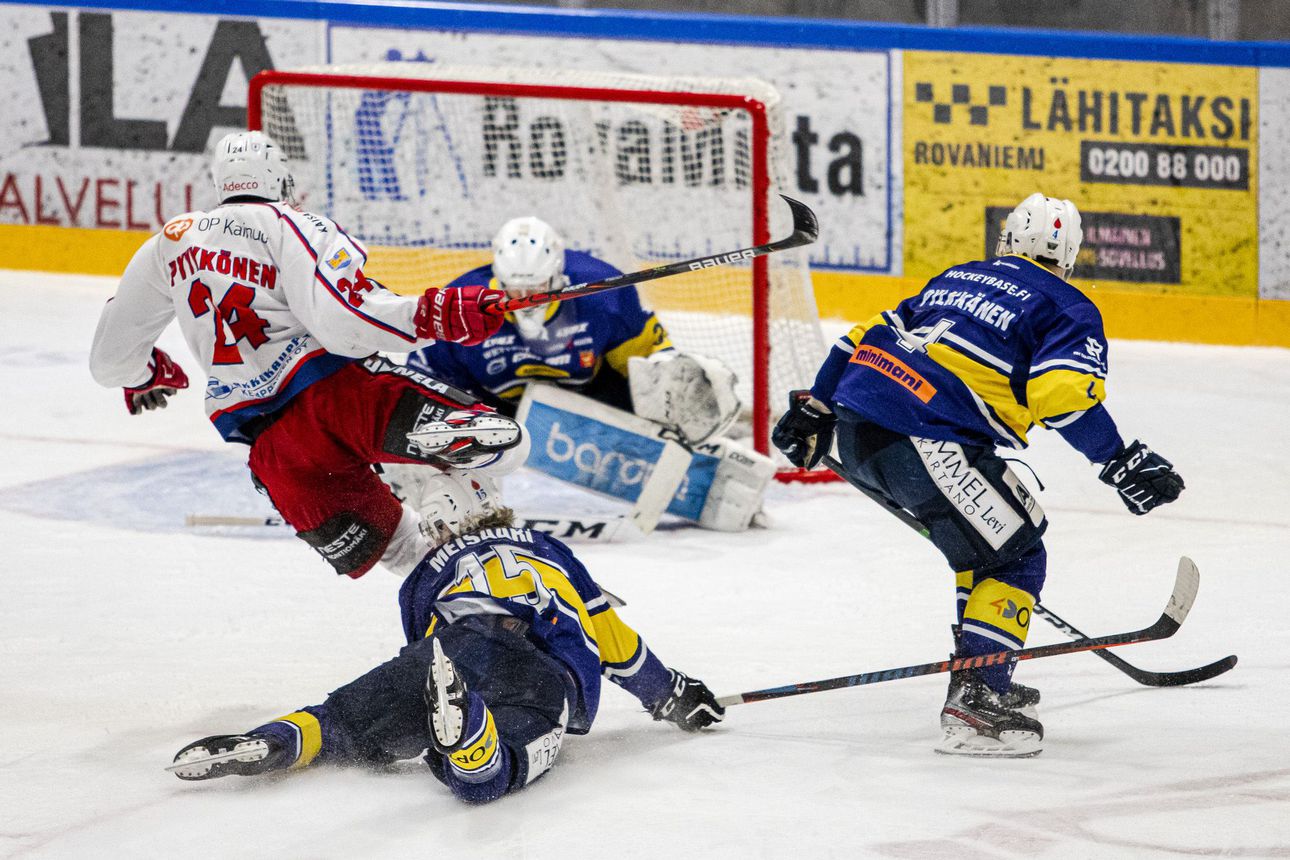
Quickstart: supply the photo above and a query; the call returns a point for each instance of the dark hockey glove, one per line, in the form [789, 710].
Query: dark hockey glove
[689, 704]
[804, 434]
[1143, 478]
[166, 380]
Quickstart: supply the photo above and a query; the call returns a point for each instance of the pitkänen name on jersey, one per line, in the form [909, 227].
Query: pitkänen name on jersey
[244, 269]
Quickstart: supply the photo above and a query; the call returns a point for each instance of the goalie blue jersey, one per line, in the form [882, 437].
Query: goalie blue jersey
[984, 352]
[537, 580]
[579, 339]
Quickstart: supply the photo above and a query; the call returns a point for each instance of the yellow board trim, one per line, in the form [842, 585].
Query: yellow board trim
[1129, 314]
[1133, 312]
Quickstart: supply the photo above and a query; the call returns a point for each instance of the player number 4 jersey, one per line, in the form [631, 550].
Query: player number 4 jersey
[984, 352]
[270, 299]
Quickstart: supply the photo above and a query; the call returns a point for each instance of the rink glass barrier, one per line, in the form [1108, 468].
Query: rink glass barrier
[907, 141]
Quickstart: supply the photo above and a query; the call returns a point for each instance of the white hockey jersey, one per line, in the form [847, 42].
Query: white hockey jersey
[270, 299]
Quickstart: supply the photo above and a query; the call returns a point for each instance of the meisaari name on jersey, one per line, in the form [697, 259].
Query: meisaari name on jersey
[537, 580]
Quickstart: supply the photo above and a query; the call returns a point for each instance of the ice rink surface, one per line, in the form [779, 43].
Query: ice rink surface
[124, 636]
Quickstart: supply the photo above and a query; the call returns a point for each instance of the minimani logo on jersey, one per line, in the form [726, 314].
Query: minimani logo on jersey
[890, 366]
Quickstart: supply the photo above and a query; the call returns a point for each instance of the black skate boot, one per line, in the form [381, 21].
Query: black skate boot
[1019, 697]
[226, 755]
[977, 721]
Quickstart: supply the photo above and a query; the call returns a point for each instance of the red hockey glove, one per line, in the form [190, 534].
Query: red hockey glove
[166, 380]
[459, 314]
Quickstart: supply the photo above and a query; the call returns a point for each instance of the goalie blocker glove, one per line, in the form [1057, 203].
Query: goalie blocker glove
[166, 380]
[689, 704]
[1143, 478]
[805, 433]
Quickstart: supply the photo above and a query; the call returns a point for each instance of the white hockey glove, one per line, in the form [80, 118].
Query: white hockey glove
[690, 393]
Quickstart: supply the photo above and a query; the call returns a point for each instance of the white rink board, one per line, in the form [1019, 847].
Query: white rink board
[125, 637]
[834, 93]
[135, 158]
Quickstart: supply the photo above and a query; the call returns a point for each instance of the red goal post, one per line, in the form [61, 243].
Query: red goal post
[423, 162]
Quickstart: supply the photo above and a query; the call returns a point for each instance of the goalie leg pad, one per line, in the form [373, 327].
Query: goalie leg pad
[692, 394]
[738, 485]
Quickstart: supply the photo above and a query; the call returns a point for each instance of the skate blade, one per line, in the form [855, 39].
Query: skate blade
[490, 431]
[199, 766]
[446, 721]
[964, 741]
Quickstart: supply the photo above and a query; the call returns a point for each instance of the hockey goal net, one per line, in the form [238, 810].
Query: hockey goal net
[423, 163]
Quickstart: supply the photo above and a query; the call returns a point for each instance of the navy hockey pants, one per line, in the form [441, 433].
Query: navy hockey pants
[382, 716]
[981, 518]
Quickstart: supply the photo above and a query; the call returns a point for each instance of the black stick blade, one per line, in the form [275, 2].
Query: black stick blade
[806, 228]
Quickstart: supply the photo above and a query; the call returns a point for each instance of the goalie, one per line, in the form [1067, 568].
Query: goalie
[611, 350]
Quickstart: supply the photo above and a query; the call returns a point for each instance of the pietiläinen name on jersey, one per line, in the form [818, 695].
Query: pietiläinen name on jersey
[984, 352]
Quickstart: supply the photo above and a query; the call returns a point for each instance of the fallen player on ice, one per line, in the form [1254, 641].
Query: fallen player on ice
[508, 639]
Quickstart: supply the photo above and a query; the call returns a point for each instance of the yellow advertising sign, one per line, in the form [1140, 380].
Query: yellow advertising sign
[1159, 157]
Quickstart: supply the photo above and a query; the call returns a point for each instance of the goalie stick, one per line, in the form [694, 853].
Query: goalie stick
[1180, 603]
[805, 231]
[1143, 676]
[592, 529]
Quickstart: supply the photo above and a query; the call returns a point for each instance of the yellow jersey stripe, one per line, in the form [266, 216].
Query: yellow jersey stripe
[653, 337]
[1060, 392]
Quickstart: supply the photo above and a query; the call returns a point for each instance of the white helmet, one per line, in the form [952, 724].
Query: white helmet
[528, 255]
[454, 501]
[1045, 229]
[250, 164]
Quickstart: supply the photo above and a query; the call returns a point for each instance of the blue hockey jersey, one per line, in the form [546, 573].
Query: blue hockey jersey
[984, 352]
[579, 339]
[535, 578]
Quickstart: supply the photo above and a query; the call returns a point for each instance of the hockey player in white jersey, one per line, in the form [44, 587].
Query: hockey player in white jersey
[273, 302]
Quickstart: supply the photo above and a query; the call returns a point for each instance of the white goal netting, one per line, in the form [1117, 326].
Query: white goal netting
[424, 163]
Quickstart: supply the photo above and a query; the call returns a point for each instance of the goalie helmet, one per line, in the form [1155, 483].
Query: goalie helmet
[1045, 229]
[250, 164]
[528, 256]
[453, 502]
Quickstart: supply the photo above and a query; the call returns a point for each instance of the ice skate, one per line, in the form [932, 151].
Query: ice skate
[229, 755]
[461, 725]
[977, 721]
[463, 436]
[446, 700]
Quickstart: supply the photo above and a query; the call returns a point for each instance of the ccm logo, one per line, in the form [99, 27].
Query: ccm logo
[240, 186]
[723, 260]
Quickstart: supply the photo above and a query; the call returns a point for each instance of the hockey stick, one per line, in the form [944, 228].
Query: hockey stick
[1180, 603]
[805, 231]
[1142, 676]
[606, 529]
